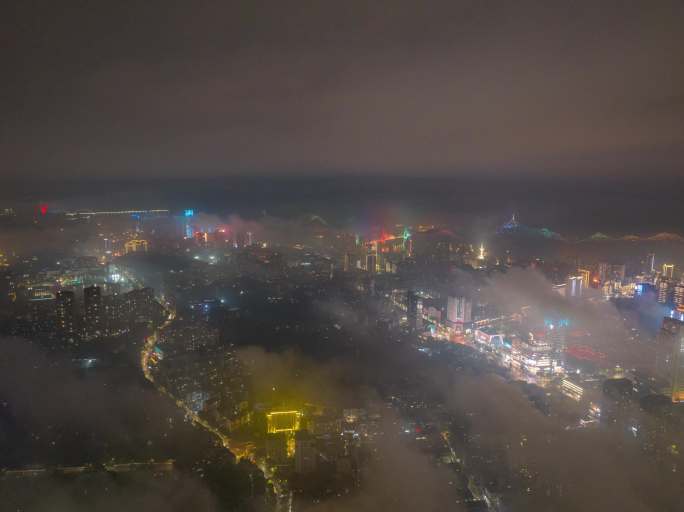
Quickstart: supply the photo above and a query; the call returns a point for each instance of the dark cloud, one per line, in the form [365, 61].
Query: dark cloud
[601, 319]
[598, 469]
[42, 391]
[401, 86]
[294, 379]
[399, 477]
[582, 469]
[109, 493]
[54, 416]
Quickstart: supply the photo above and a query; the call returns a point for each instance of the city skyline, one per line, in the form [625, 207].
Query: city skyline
[325, 256]
[264, 335]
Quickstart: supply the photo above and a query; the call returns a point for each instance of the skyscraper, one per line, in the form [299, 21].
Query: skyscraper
[668, 270]
[92, 299]
[574, 287]
[664, 291]
[414, 310]
[112, 315]
[459, 310]
[586, 277]
[139, 305]
[349, 262]
[603, 272]
[679, 295]
[371, 263]
[66, 315]
[671, 342]
[556, 334]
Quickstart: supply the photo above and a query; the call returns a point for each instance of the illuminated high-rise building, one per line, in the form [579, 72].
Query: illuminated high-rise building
[668, 270]
[348, 259]
[678, 296]
[66, 315]
[92, 301]
[371, 262]
[188, 229]
[665, 290]
[556, 335]
[41, 313]
[671, 341]
[113, 315]
[585, 274]
[650, 263]
[139, 305]
[604, 272]
[534, 357]
[414, 310]
[574, 287]
[459, 310]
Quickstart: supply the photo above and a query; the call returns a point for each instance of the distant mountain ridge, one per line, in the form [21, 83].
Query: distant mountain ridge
[514, 228]
[658, 237]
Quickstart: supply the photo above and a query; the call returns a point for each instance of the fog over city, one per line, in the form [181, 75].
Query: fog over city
[319, 256]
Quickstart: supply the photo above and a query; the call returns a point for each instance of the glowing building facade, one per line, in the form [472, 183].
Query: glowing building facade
[283, 421]
[92, 298]
[66, 315]
[284, 425]
[459, 310]
[585, 274]
[665, 289]
[135, 245]
[572, 389]
[671, 343]
[574, 287]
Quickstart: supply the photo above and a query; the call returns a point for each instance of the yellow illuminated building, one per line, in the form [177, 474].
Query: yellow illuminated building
[135, 245]
[287, 422]
[586, 277]
[283, 421]
[668, 270]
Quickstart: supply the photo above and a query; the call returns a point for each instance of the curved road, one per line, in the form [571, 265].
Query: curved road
[284, 498]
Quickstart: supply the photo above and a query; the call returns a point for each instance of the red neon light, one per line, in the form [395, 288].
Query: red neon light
[585, 353]
[43, 209]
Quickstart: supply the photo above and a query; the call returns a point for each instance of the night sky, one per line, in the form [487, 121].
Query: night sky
[183, 89]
